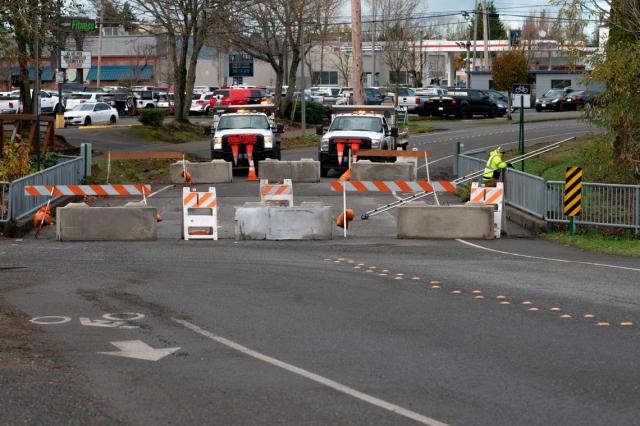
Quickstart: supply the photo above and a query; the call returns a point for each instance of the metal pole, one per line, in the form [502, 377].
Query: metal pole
[60, 43]
[100, 44]
[475, 34]
[303, 104]
[356, 43]
[374, 5]
[36, 84]
[521, 141]
[485, 34]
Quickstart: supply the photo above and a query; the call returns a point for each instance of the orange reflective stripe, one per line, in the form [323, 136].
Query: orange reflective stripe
[359, 186]
[448, 186]
[479, 195]
[98, 189]
[120, 189]
[203, 199]
[76, 190]
[32, 191]
[381, 186]
[403, 186]
[337, 186]
[281, 189]
[425, 185]
[189, 198]
[266, 189]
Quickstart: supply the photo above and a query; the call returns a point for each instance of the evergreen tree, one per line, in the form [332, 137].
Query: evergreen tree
[496, 27]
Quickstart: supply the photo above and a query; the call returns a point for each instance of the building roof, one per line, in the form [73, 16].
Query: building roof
[121, 72]
[532, 72]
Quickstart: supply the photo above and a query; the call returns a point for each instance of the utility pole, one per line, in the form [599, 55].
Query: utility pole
[475, 34]
[374, 6]
[100, 44]
[36, 82]
[61, 41]
[485, 34]
[356, 43]
[303, 104]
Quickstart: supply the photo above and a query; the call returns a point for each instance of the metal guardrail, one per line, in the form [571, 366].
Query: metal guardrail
[614, 205]
[525, 192]
[602, 205]
[69, 171]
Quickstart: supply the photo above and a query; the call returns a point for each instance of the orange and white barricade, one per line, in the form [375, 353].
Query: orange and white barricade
[490, 195]
[393, 186]
[199, 214]
[279, 194]
[87, 190]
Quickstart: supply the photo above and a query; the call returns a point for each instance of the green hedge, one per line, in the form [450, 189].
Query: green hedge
[151, 117]
[315, 112]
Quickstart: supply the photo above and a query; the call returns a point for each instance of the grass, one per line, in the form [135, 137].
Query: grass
[300, 142]
[171, 133]
[417, 127]
[153, 171]
[593, 241]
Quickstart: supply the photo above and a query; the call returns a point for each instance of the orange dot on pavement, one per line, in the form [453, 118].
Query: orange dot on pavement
[534, 309]
[555, 309]
[360, 264]
[565, 316]
[435, 286]
[398, 278]
[527, 302]
[385, 270]
[356, 267]
[372, 267]
[501, 297]
[456, 292]
[588, 316]
[626, 323]
[505, 302]
[340, 258]
[415, 278]
[479, 296]
[327, 259]
[603, 324]
[400, 274]
[434, 282]
[337, 261]
[369, 270]
[476, 291]
[383, 275]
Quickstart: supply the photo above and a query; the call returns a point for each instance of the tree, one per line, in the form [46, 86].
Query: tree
[510, 68]
[270, 30]
[397, 31]
[496, 27]
[186, 24]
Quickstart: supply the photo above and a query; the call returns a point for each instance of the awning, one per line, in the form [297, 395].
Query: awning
[46, 73]
[121, 72]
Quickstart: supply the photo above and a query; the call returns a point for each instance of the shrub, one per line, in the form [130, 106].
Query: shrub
[314, 112]
[14, 162]
[151, 117]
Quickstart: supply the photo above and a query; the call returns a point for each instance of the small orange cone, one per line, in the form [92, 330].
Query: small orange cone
[251, 176]
[340, 219]
[187, 177]
[354, 149]
[340, 149]
[158, 217]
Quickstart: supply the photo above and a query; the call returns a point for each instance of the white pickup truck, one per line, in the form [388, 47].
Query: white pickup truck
[361, 127]
[9, 103]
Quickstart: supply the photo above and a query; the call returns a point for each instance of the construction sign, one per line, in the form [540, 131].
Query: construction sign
[573, 191]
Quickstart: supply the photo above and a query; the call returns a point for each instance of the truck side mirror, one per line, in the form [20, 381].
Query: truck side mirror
[319, 130]
[394, 132]
[279, 128]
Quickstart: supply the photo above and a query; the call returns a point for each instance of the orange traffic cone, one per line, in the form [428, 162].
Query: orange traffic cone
[158, 217]
[340, 149]
[340, 219]
[187, 177]
[234, 151]
[354, 149]
[251, 176]
[42, 218]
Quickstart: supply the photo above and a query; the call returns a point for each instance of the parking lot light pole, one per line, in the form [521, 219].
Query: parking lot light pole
[36, 84]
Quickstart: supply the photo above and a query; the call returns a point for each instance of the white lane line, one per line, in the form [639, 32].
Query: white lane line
[509, 143]
[312, 376]
[604, 265]
[159, 191]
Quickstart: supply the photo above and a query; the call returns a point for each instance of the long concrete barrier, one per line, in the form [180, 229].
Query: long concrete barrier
[418, 220]
[368, 170]
[79, 222]
[215, 171]
[309, 221]
[305, 170]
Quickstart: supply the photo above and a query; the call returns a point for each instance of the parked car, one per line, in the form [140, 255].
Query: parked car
[372, 96]
[501, 100]
[463, 103]
[227, 97]
[201, 102]
[77, 98]
[580, 99]
[91, 113]
[553, 99]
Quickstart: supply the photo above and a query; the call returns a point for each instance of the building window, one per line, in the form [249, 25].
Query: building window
[403, 77]
[325, 78]
[560, 84]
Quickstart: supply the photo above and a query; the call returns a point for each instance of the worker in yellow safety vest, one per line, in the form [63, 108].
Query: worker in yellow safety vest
[494, 167]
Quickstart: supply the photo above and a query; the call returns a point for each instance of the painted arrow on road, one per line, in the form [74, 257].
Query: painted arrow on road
[139, 350]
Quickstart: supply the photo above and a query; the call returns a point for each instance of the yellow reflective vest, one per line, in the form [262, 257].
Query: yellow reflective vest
[493, 163]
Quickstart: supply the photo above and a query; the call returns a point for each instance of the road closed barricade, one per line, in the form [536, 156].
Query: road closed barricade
[493, 196]
[79, 222]
[276, 194]
[199, 214]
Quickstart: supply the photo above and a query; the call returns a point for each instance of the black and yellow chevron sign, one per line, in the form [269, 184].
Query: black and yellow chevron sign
[573, 191]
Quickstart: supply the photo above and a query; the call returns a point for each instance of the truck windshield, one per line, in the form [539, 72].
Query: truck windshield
[357, 123]
[243, 122]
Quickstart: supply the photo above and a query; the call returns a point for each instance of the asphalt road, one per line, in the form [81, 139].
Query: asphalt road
[302, 333]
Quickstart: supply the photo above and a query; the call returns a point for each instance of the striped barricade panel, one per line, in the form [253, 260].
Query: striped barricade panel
[277, 194]
[82, 190]
[490, 195]
[200, 215]
[393, 186]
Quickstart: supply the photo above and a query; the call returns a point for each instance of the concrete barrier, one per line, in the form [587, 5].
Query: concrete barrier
[305, 170]
[418, 220]
[367, 170]
[215, 171]
[309, 221]
[79, 222]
